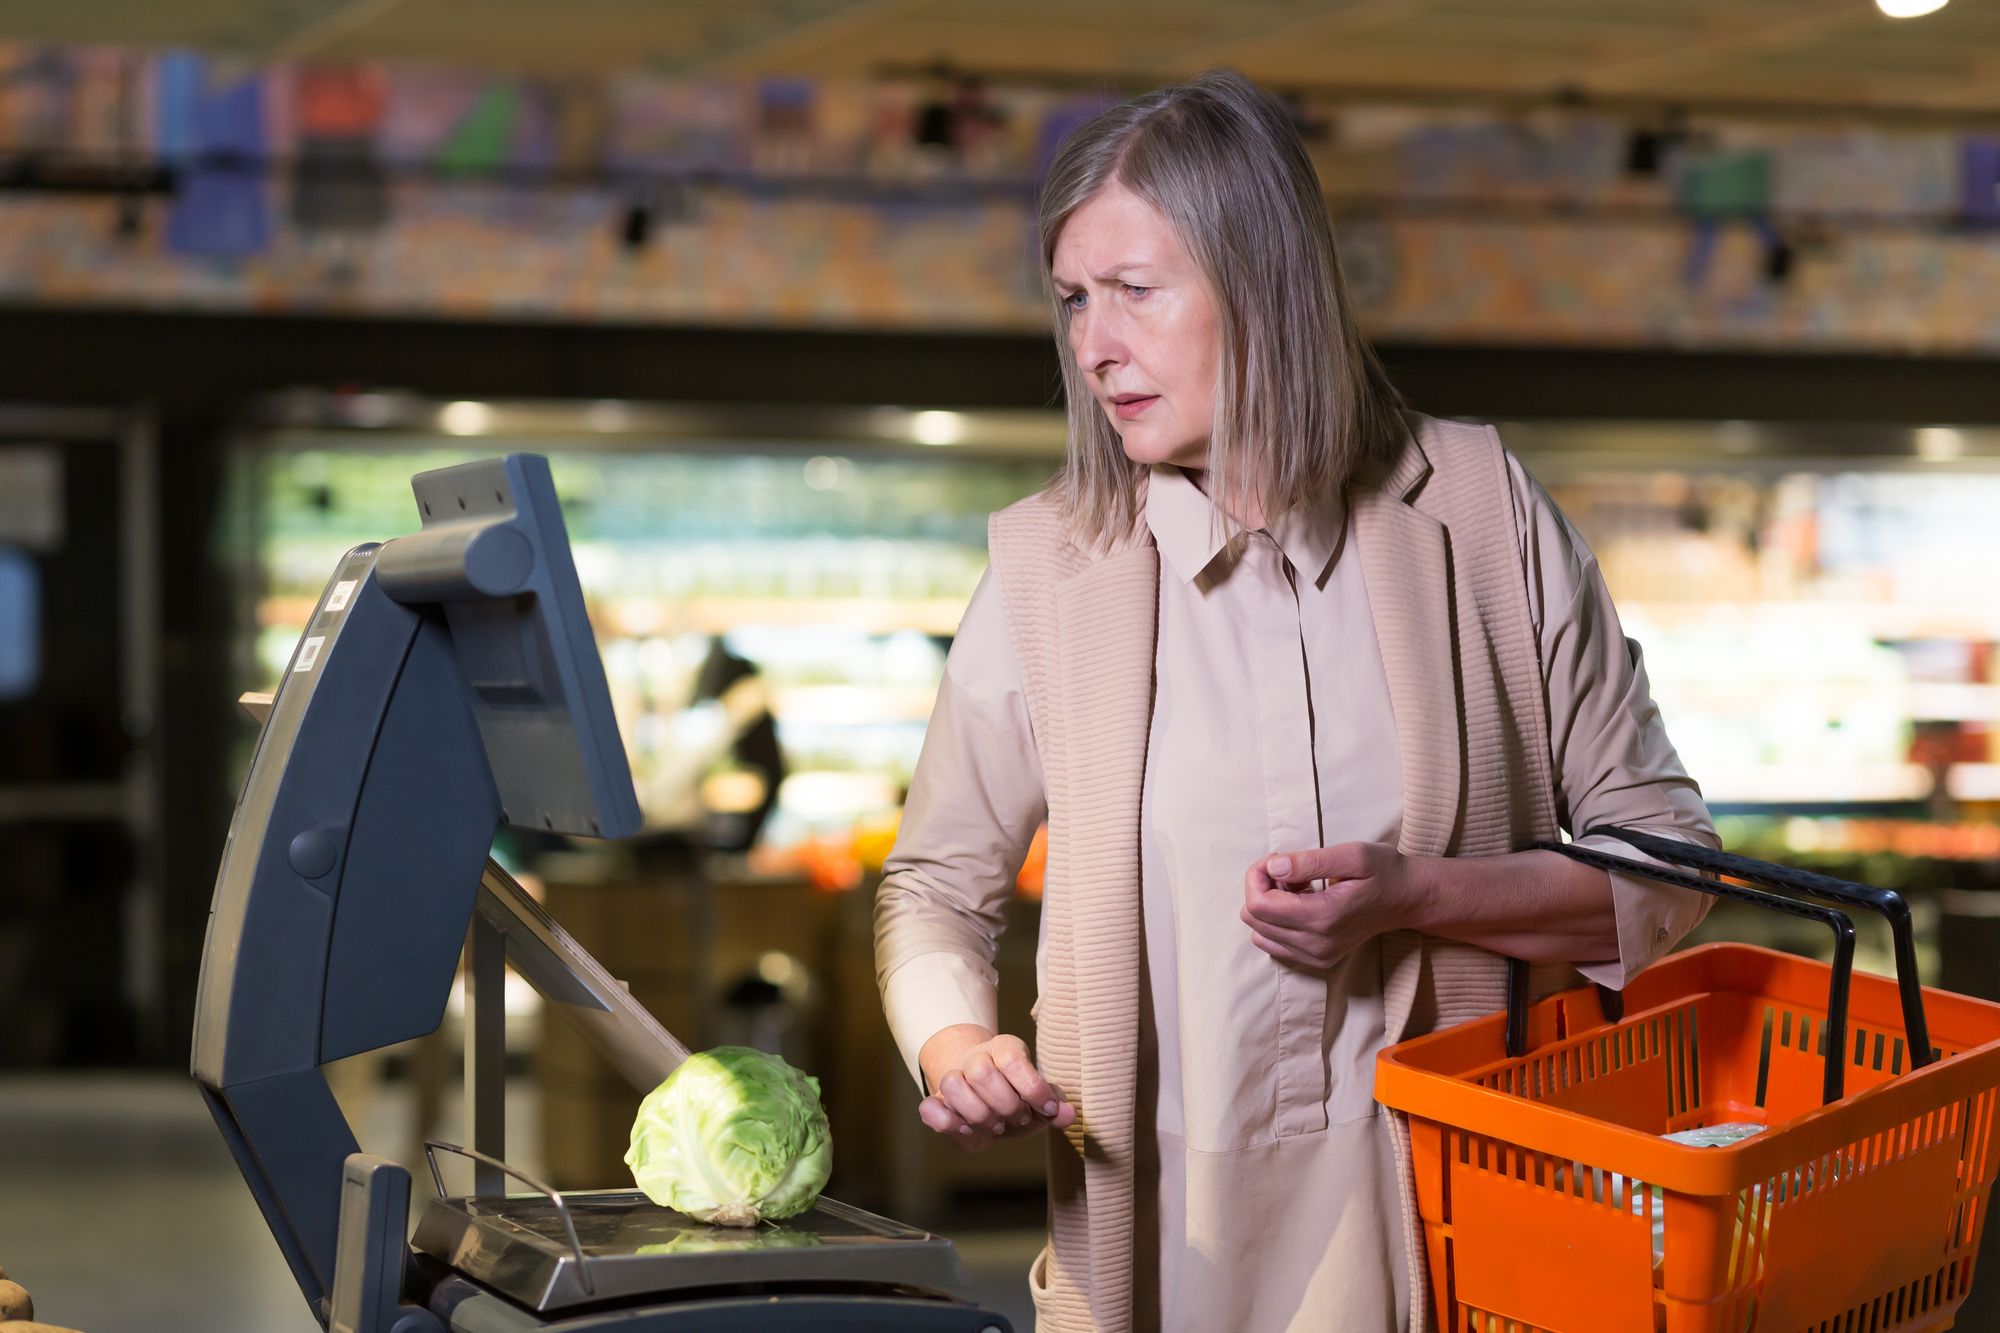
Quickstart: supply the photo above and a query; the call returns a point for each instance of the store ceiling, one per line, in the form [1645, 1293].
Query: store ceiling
[1826, 52]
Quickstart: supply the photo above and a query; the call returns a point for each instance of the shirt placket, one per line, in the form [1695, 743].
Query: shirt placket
[1291, 802]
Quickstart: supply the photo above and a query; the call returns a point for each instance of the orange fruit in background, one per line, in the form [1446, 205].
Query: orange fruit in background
[1035, 869]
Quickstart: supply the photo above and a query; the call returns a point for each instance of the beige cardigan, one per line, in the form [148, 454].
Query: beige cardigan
[1436, 536]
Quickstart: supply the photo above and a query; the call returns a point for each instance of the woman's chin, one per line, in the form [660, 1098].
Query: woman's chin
[1145, 446]
[1149, 453]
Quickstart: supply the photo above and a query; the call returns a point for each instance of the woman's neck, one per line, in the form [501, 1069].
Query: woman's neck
[1252, 516]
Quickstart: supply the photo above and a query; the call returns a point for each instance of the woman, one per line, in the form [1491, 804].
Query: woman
[1293, 674]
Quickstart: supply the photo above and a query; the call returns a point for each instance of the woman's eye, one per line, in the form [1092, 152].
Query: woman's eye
[1074, 300]
[1137, 291]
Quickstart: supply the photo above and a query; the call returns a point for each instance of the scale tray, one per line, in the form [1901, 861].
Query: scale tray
[628, 1247]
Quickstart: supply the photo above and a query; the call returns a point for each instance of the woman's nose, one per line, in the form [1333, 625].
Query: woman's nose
[1099, 345]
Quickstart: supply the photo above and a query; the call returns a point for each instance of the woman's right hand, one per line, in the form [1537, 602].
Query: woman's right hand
[987, 1088]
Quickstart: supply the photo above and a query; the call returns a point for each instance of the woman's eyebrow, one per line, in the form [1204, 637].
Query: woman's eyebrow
[1109, 275]
[1121, 267]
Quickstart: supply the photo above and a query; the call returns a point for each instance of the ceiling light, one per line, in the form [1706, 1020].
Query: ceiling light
[937, 427]
[372, 409]
[1909, 9]
[465, 418]
[1736, 437]
[1939, 444]
[608, 414]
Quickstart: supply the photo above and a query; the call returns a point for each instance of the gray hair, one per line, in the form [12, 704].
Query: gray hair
[1302, 404]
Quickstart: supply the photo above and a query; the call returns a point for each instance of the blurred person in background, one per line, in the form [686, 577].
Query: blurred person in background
[1294, 675]
[735, 811]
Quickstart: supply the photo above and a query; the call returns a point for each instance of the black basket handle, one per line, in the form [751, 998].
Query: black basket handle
[1835, 1082]
[1886, 902]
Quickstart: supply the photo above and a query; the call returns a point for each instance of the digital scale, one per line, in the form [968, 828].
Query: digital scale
[448, 682]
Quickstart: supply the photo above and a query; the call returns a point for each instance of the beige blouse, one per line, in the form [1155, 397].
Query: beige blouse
[1270, 1200]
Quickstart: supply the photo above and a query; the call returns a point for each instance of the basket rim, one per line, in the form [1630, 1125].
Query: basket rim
[1451, 1099]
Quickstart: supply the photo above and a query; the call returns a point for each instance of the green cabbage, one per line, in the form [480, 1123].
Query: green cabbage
[733, 1137]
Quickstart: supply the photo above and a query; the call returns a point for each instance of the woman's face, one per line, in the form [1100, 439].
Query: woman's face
[1142, 326]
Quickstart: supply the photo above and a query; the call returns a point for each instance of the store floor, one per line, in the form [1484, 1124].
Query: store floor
[121, 1211]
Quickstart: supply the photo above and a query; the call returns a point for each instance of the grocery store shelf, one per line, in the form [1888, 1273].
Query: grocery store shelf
[872, 615]
[283, 612]
[306, 418]
[1936, 701]
[1973, 782]
[1810, 784]
[717, 615]
[854, 703]
[1921, 701]
[1880, 620]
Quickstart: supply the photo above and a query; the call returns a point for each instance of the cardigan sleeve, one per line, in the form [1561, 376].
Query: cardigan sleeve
[974, 805]
[1613, 761]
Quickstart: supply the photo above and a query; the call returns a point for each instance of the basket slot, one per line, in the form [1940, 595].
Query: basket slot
[1764, 1056]
[1645, 1074]
[1818, 1207]
[1746, 1250]
[1874, 1057]
[1768, 1063]
[1685, 1085]
[1794, 1082]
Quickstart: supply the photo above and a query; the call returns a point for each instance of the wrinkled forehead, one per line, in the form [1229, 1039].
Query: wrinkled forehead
[1111, 231]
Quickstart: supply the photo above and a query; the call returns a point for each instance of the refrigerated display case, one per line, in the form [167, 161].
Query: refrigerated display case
[1817, 616]
[1813, 604]
[1816, 610]
[833, 552]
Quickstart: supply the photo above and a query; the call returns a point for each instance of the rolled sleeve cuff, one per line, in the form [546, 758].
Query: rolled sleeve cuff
[931, 992]
[1652, 917]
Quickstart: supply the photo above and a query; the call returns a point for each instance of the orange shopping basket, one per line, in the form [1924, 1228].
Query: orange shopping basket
[1550, 1200]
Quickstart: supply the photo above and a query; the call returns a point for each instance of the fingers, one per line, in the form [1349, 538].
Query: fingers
[1348, 860]
[960, 1094]
[941, 1119]
[983, 1098]
[1312, 943]
[995, 1091]
[1296, 910]
[1035, 1092]
[1282, 907]
[1285, 953]
[1305, 948]
[1308, 930]
[937, 1117]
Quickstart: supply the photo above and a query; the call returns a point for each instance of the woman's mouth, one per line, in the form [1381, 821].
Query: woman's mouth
[1129, 405]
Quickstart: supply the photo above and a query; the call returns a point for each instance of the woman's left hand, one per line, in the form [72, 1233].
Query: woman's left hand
[1369, 887]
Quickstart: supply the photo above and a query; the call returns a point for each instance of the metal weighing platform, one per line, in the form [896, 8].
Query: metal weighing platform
[448, 682]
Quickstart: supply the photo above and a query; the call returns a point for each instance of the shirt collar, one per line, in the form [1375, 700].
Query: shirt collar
[1184, 524]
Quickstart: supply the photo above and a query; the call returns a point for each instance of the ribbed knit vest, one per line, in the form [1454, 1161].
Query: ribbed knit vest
[1440, 551]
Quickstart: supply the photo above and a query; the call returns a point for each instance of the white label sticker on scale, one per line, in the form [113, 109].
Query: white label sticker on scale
[308, 653]
[341, 592]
